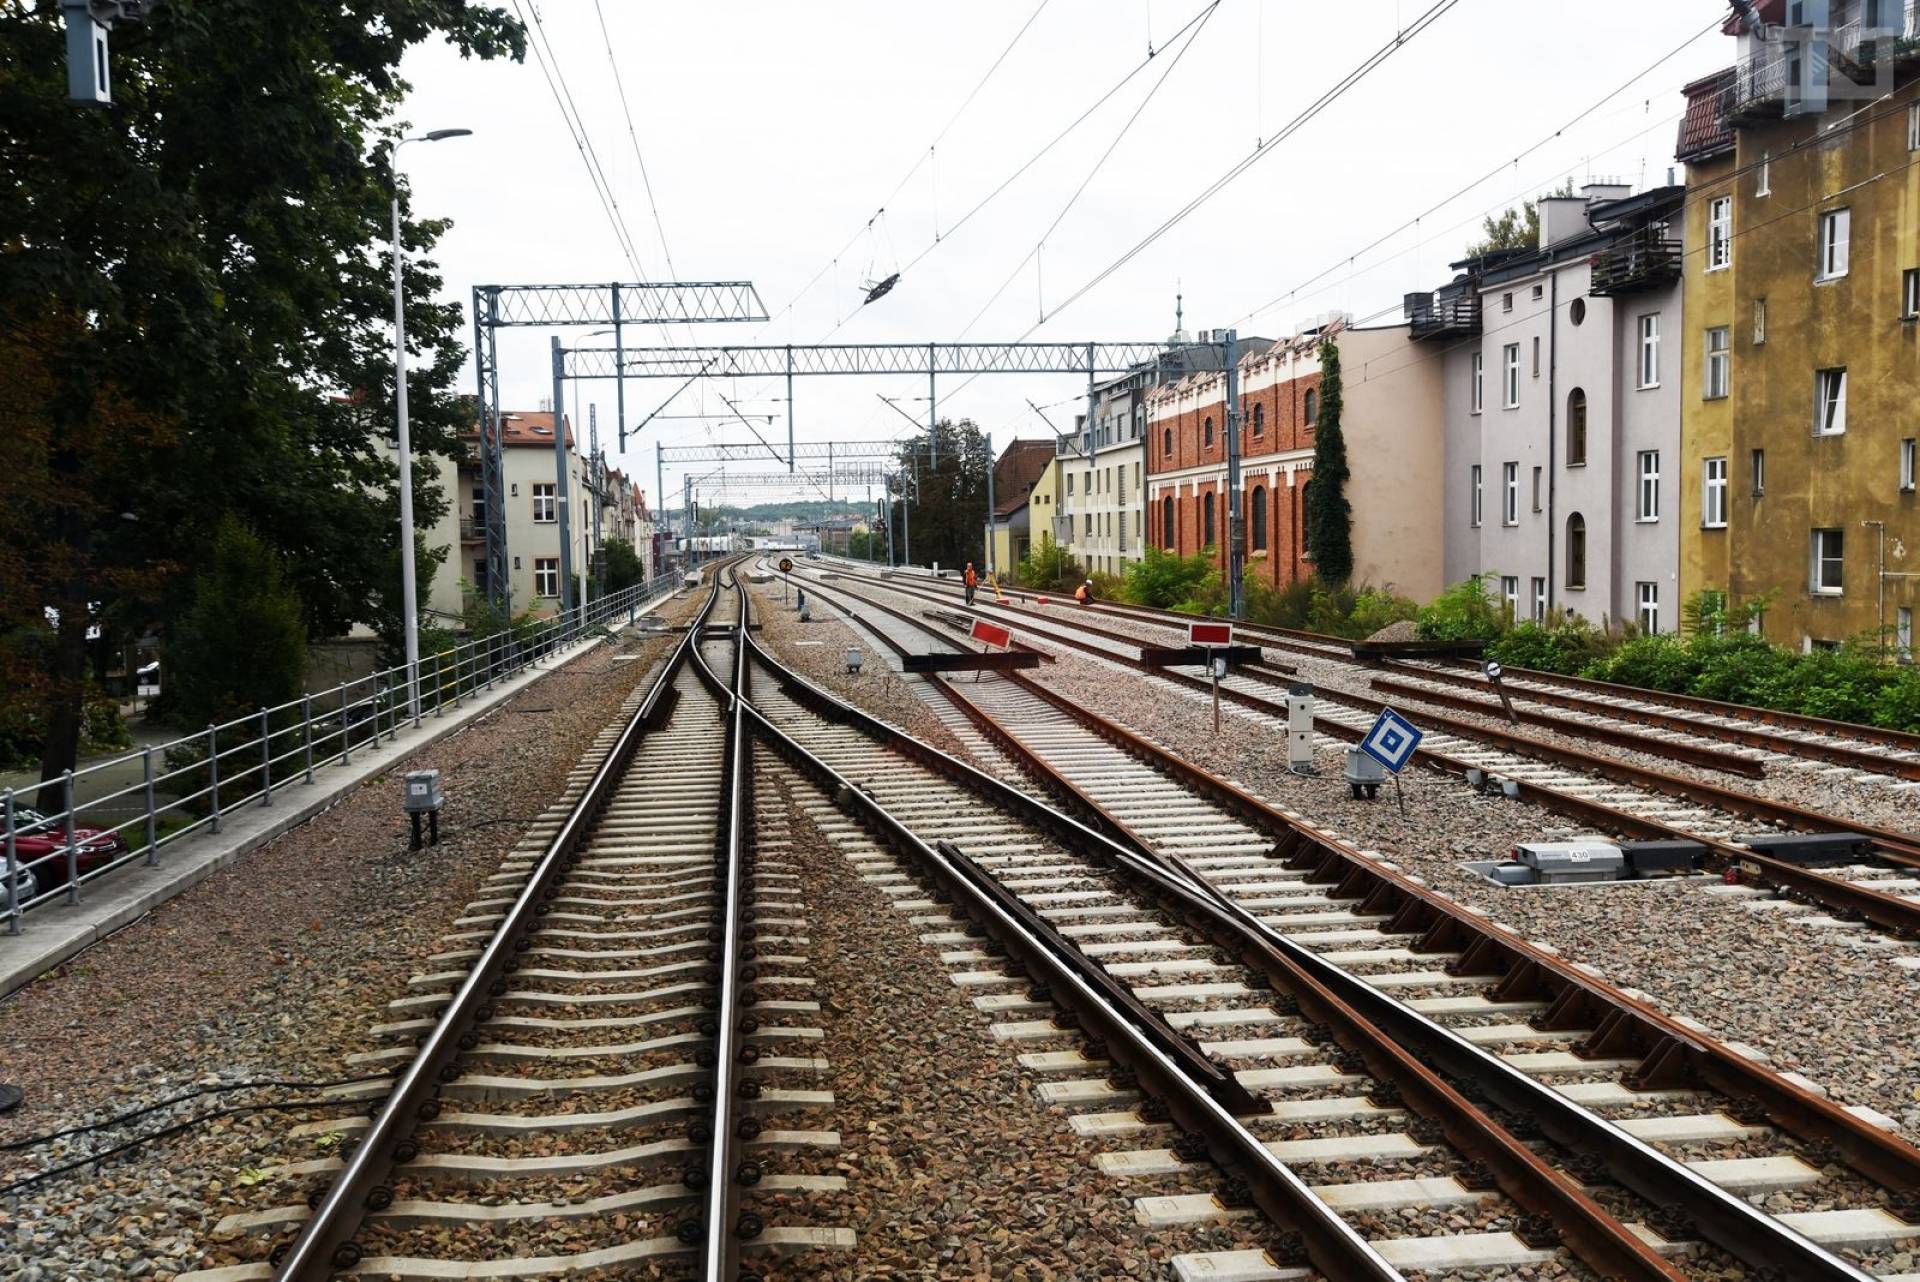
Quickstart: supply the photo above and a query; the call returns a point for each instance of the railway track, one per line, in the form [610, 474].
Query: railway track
[615, 1050]
[1614, 795]
[1319, 1005]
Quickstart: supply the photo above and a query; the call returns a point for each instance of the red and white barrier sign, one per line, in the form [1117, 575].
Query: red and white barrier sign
[992, 634]
[1209, 634]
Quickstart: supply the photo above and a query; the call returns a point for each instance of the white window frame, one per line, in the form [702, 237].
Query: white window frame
[1510, 494]
[1830, 401]
[1506, 301]
[1510, 593]
[546, 571]
[1903, 634]
[1647, 600]
[1510, 376]
[1647, 490]
[1536, 356]
[1913, 127]
[544, 500]
[1477, 509]
[1713, 493]
[1763, 184]
[1906, 464]
[1820, 556]
[1910, 294]
[1757, 471]
[1836, 234]
[1759, 321]
[1719, 361]
[1649, 366]
[1537, 486]
[1479, 398]
[1719, 233]
[1539, 599]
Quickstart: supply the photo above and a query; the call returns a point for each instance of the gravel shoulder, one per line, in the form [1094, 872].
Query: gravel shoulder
[274, 968]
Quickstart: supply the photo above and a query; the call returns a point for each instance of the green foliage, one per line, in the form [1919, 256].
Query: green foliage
[946, 517]
[1662, 661]
[1164, 579]
[1464, 612]
[1049, 565]
[1108, 587]
[240, 643]
[1338, 611]
[1207, 597]
[1516, 228]
[1567, 646]
[1329, 515]
[624, 568]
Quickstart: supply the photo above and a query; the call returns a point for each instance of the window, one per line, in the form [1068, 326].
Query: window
[1510, 494]
[1123, 531]
[1648, 508]
[1758, 462]
[1539, 599]
[1719, 363]
[1713, 494]
[1167, 536]
[1259, 506]
[1536, 356]
[1206, 520]
[1577, 311]
[1511, 376]
[1576, 428]
[1649, 598]
[1576, 551]
[1719, 233]
[543, 505]
[1913, 127]
[1910, 293]
[1903, 634]
[1259, 419]
[1086, 525]
[1539, 292]
[1479, 382]
[1829, 549]
[1510, 595]
[1763, 181]
[1313, 406]
[546, 576]
[1829, 402]
[1506, 302]
[1478, 496]
[1166, 442]
[1836, 227]
[1306, 530]
[1650, 350]
[1536, 488]
[1906, 465]
[1759, 321]
[1069, 484]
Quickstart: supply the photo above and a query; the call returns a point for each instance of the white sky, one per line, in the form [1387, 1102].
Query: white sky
[773, 129]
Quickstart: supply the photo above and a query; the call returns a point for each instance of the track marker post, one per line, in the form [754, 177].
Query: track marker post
[1494, 672]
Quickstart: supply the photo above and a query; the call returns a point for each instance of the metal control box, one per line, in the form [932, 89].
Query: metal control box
[423, 792]
[1563, 863]
[1364, 774]
[1300, 726]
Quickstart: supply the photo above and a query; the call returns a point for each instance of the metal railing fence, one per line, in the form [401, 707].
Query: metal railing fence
[150, 798]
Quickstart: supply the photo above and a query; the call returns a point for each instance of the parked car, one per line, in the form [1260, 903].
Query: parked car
[40, 845]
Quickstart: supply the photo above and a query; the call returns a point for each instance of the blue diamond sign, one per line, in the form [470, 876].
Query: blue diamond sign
[1391, 741]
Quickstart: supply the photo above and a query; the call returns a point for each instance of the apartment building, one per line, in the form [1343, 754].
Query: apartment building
[1392, 424]
[1561, 370]
[1102, 469]
[533, 512]
[1025, 500]
[1803, 338]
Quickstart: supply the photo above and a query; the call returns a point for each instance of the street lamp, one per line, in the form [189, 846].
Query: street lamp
[408, 604]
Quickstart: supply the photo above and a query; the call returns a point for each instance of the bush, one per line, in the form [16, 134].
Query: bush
[1049, 565]
[1659, 662]
[1565, 647]
[623, 566]
[1166, 579]
[1464, 612]
[1208, 596]
[1108, 587]
[1376, 608]
[1897, 706]
[240, 643]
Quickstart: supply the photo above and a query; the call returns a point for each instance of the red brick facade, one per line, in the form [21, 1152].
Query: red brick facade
[1186, 457]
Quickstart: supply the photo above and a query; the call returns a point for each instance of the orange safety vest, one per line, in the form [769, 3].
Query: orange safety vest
[973, 580]
[1080, 594]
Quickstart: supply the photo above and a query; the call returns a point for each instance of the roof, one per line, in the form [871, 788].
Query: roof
[1704, 132]
[528, 427]
[1019, 466]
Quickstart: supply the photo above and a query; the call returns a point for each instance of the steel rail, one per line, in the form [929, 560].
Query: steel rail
[1899, 916]
[1671, 1053]
[364, 1184]
[1725, 1218]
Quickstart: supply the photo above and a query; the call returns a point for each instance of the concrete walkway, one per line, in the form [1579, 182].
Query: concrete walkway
[57, 930]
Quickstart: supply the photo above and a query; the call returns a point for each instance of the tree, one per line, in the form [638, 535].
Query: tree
[947, 519]
[239, 644]
[1048, 565]
[623, 566]
[194, 311]
[1517, 228]
[1329, 516]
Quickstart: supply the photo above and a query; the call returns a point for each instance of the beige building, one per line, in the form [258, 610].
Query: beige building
[530, 479]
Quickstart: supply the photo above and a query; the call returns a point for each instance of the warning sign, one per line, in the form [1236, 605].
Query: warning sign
[992, 634]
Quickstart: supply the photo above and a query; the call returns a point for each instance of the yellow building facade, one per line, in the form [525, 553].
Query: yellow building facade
[1802, 303]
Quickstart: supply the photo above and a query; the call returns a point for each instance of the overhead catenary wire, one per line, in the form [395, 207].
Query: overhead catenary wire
[619, 84]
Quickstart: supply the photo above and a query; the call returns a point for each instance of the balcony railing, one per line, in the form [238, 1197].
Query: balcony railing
[1860, 47]
[1644, 260]
[1763, 85]
[1434, 316]
[472, 529]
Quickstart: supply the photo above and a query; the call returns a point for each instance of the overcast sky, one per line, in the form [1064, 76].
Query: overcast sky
[773, 130]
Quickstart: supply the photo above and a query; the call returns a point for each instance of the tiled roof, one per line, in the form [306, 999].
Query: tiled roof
[1016, 470]
[1704, 131]
[528, 427]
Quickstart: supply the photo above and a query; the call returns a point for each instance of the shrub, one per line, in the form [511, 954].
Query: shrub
[240, 643]
[1561, 647]
[1659, 662]
[1049, 565]
[1897, 706]
[1108, 587]
[1376, 608]
[1287, 607]
[1165, 579]
[1464, 612]
[1208, 596]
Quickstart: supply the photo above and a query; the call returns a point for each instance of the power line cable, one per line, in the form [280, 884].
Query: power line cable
[619, 84]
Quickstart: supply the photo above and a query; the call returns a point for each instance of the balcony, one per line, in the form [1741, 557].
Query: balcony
[470, 454]
[1646, 259]
[473, 529]
[1764, 86]
[1437, 316]
[1861, 47]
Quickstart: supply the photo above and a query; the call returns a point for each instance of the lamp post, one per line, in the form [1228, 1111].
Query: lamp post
[408, 603]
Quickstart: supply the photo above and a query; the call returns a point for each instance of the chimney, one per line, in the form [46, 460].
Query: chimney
[1561, 217]
[1595, 192]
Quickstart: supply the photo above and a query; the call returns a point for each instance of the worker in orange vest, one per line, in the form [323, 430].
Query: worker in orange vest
[972, 581]
[1084, 593]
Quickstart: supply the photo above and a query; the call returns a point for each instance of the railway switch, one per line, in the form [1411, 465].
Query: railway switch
[423, 800]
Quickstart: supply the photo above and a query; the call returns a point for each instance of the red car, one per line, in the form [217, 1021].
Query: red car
[40, 845]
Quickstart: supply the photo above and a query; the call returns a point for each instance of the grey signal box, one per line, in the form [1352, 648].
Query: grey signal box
[423, 792]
